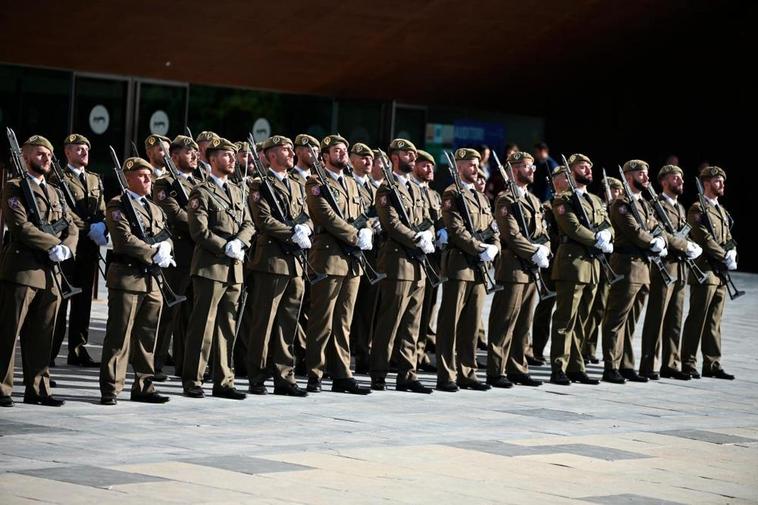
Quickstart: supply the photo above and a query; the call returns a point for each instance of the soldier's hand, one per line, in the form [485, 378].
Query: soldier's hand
[301, 240]
[427, 235]
[730, 260]
[426, 246]
[365, 239]
[602, 237]
[303, 230]
[657, 245]
[540, 256]
[489, 253]
[234, 249]
[59, 253]
[162, 253]
[693, 250]
[441, 238]
[96, 233]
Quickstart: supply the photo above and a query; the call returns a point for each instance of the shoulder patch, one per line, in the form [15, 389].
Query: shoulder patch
[161, 195]
[116, 215]
[561, 209]
[504, 210]
[14, 203]
[383, 200]
[447, 203]
[256, 196]
[622, 209]
[194, 203]
[316, 191]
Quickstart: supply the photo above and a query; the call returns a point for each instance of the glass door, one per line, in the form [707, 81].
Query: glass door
[161, 108]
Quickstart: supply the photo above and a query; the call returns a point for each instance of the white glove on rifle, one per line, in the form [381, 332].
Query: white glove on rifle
[425, 245]
[657, 245]
[489, 252]
[301, 240]
[303, 230]
[162, 254]
[234, 249]
[540, 257]
[730, 260]
[693, 250]
[365, 239]
[96, 233]
[602, 236]
[59, 253]
[441, 238]
[427, 235]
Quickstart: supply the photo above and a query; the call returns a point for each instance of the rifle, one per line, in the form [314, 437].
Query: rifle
[182, 198]
[581, 214]
[490, 286]
[719, 267]
[518, 211]
[71, 201]
[135, 149]
[656, 232]
[359, 223]
[281, 216]
[682, 233]
[17, 166]
[188, 132]
[135, 223]
[415, 253]
[607, 187]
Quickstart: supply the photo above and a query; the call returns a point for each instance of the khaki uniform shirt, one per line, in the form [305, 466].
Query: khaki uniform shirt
[166, 197]
[713, 244]
[516, 249]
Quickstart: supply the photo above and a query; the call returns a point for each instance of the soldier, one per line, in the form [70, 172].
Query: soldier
[703, 324]
[155, 147]
[630, 258]
[576, 273]
[463, 294]
[512, 307]
[362, 327]
[222, 230]
[89, 216]
[29, 292]
[278, 285]
[597, 310]
[423, 176]
[134, 296]
[402, 292]
[203, 169]
[377, 176]
[544, 310]
[173, 201]
[663, 319]
[333, 299]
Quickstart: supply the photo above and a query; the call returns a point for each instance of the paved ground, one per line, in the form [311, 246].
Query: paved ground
[666, 442]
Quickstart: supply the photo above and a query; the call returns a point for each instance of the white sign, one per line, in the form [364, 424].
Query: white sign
[261, 129]
[99, 119]
[159, 123]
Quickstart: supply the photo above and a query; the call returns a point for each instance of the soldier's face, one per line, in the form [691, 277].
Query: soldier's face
[424, 171]
[640, 179]
[281, 158]
[376, 169]
[406, 160]
[524, 172]
[560, 183]
[155, 153]
[673, 183]
[77, 154]
[361, 164]
[222, 162]
[468, 169]
[582, 172]
[616, 193]
[337, 155]
[185, 159]
[304, 157]
[139, 181]
[716, 185]
[202, 145]
[38, 159]
[480, 184]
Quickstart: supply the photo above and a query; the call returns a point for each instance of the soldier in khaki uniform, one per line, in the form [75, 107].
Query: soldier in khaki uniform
[576, 273]
[220, 225]
[513, 306]
[402, 292]
[423, 176]
[597, 312]
[333, 299]
[663, 319]
[155, 147]
[134, 296]
[29, 297]
[174, 319]
[364, 317]
[203, 169]
[89, 216]
[277, 287]
[703, 324]
[463, 294]
[629, 258]
[543, 312]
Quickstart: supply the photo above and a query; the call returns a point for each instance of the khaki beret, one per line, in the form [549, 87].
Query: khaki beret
[154, 139]
[39, 140]
[136, 163]
[425, 156]
[711, 172]
[519, 156]
[614, 183]
[220, 144]
[75, 138]
[305, 140]
[331, 140]
[242, 146]
[578, 158]
[669, 169]
[560, 169]
[183, 141]
[465, 153]
[401, 145]
[361, 149]
[634, 165]
[206, 136]
[276, 141]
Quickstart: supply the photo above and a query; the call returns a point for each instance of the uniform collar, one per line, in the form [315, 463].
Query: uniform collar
[279, 176]
[77, 171]
[39, 180]
[712, 201]
[158, 171]
[135, 196]
[376, 183]
[420, 183]
[219, 182]
[335, 175]
[671, 199]
[402, 179]
[303, 172]
[361, 180]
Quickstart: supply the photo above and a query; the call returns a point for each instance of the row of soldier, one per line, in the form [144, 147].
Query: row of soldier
[284, 267]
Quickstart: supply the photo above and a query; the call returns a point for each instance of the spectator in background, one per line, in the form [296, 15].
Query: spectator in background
[544, 166]
[495, 183]
[672, 159]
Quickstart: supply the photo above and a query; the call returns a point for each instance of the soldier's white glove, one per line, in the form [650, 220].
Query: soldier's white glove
[664, 252]
[606, 247]
[425, 245]
[427, 235]
[540, 257]
[303, 230]
[96, 233]
[489, 252]
[167, 263]
[602, 236]
[301, 240]
[162, 254]
[59, 253]
[693, 250]
[730, 260]
[657, 245]
[234, 249]
[441, 238]
[365, 239]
